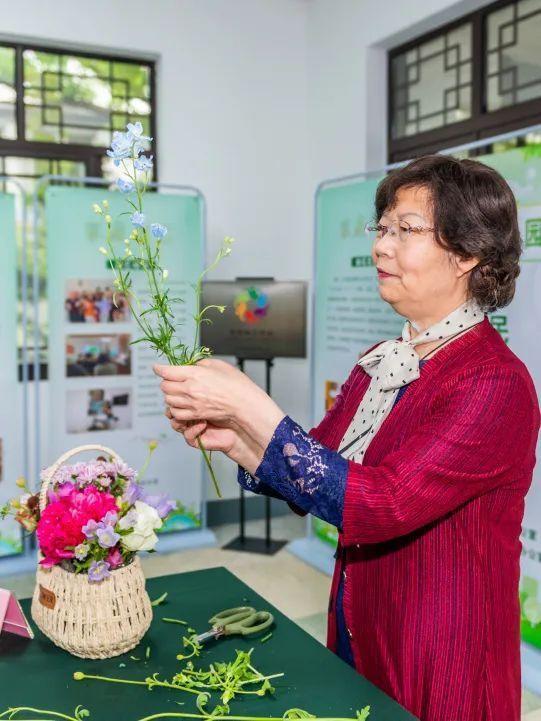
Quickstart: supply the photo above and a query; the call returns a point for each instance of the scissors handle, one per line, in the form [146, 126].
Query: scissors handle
[242, 620]
[255, 623]
[231, 615]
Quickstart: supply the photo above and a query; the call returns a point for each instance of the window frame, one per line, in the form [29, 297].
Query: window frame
[90, 155]
[482, 124]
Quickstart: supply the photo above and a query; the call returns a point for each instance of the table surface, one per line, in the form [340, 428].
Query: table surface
[38, 674]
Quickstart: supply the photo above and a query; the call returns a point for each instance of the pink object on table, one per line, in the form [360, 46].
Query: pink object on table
[12, 618]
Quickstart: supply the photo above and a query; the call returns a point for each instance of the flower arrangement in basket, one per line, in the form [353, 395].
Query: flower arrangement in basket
[90, 520]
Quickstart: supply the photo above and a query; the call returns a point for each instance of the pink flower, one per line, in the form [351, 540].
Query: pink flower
[61, 523]
[114, 559]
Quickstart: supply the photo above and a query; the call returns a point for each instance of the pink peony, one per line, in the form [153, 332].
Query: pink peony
[115, 559]
[61, 523]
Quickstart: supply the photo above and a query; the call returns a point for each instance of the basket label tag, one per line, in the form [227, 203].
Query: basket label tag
[46, 597]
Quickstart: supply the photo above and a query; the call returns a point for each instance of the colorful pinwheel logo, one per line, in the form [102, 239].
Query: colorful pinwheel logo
[251, 305]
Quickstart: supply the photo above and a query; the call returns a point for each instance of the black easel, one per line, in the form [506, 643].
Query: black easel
[249, 543]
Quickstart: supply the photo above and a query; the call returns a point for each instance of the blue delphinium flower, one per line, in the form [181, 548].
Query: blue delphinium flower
[143, 163]
[98, 571]
[158, 230]
[125, 186]
[121, 147]
[138, 219]
[135, 132]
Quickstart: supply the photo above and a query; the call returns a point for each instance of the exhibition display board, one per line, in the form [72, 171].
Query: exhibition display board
[102, 387]
[11, 392]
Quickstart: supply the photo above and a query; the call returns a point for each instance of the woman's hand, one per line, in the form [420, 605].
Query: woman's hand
[215, 391]
[228, 440]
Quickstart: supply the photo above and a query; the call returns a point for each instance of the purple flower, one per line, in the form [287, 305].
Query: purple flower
[122, 469]
[86, 474]
[64, 489]
[90, 529]
[161, 503]
[107, 537]
[132, 493]
[110, 519]
[98, 571]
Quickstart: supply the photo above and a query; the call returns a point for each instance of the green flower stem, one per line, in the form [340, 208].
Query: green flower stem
[175, 620]
[178, 714]
[8, 714]
[210, 468]
[80, 676]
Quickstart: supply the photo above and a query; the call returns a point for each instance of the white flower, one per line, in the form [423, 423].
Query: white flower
[165, 273]
[145, 521]
[102, 250]
[97, 209]
[108, 219]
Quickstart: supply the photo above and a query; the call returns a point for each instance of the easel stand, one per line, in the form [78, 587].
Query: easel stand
[243, 542]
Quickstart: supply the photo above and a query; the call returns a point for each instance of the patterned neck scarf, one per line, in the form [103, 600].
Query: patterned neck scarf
[391, 365]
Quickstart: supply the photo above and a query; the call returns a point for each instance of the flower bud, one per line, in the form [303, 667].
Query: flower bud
[103, 250]
[78, 675]
[105, 204]
[21, 482]
[97, 209]
[165, 273]
[153, 444]
[108, 219]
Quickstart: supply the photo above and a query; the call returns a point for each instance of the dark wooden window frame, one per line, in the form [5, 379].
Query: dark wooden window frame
[482, 124]
[91, 156]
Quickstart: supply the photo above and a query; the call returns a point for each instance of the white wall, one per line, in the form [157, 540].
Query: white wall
[231, 120]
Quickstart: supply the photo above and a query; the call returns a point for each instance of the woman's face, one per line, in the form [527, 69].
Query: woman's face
[420, 279]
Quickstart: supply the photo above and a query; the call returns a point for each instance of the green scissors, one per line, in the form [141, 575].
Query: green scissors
[242, 620]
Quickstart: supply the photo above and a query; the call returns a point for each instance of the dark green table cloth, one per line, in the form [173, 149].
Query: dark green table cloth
[37, 673]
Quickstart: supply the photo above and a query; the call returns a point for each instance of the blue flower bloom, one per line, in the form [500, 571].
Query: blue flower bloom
[125, 186]
[138, 219]
[121, 147]
[144, 163]
[135, 132]
[158, 230]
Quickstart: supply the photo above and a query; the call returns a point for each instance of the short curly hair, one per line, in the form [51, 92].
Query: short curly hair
[475, 216]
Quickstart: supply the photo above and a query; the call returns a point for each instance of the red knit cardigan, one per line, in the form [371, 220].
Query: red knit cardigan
[430, 546]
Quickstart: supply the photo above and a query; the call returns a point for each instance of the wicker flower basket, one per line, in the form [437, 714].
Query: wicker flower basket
[90, 620]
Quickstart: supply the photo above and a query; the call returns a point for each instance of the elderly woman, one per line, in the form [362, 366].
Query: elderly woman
[425, 458]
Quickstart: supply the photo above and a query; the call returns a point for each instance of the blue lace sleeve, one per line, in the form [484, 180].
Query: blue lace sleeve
[249, 483]
[304, 472]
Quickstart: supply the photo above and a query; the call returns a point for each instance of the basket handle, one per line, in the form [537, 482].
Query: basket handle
[51, 471]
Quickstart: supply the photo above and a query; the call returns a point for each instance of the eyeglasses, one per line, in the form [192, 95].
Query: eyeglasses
[401, 228]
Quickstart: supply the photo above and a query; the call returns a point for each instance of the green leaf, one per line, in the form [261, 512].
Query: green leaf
[364, 713]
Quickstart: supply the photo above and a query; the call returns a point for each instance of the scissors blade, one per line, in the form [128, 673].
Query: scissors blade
[214, 633]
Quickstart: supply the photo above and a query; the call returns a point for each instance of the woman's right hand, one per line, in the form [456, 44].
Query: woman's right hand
[213, 437]
[230, 440]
